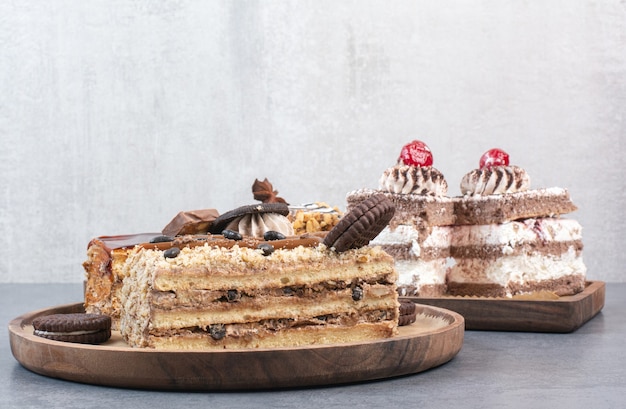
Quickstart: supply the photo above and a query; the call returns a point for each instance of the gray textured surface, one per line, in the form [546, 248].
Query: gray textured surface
[116, 115]
[583, 369]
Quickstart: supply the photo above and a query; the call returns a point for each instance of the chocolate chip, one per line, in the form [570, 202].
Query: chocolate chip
[232, 295]
[273, 235]
[357, 293]
[266, 248]
[161, 239]
[217, 331]
[171, 252]
[232, 235]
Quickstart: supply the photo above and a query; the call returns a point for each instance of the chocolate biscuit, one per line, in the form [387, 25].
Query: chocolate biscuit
[220, 223]
[78, 328]
[363, 223]
[408, 313]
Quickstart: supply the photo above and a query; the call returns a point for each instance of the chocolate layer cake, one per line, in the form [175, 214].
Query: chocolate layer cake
[500, 238]
[417, 237]
[509, 239]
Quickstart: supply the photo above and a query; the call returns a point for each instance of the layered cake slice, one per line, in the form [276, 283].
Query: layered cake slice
[531, 255]
[418, 235]
[106, 255]
[247, 292]
[509, 239]
[104, 275]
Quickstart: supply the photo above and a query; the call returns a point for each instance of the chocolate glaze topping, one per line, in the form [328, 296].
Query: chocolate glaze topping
[144, 240]
[217, 240]
[123, 241]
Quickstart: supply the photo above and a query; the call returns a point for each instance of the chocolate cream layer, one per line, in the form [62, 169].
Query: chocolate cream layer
[562, 286]
[274, 313]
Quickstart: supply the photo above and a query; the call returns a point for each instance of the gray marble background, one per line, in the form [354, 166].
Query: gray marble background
[117, 114]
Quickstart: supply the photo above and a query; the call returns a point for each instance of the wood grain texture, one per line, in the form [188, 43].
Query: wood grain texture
[562, 315]
[435, 338]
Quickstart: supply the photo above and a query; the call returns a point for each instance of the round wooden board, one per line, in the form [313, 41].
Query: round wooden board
[434, 339]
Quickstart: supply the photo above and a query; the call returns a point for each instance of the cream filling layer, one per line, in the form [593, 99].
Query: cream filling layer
[419, 273]
[274, 308]
[518, 269]
[55, 333]
[512, 234]
[439, 237]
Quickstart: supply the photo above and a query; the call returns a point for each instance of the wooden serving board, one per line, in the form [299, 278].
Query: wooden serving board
[434, 339]
[561, 315]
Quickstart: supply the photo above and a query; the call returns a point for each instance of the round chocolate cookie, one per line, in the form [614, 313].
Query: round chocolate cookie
[359, 226]
[408, 313]
[79, 328]
[220, 223]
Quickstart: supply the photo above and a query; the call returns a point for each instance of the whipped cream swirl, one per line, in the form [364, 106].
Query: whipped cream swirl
[421, 180]
[256, 225]
[495, 180]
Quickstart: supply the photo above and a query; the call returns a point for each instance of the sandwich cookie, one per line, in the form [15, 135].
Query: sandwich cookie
[220, 223]
[408, 313]
[79, 328]
[363, 223]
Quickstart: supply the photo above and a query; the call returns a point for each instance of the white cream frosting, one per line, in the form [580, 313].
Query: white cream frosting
[527, 267]
[257, 224]
[515, 233]
[419, 273]
[505, 269]
[439, 237]
[54, 333]
[495, 180]
[405, 179]
[518, 269]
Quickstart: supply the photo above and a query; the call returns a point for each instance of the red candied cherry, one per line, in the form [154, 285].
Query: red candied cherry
[416, 153]
[494, 157]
